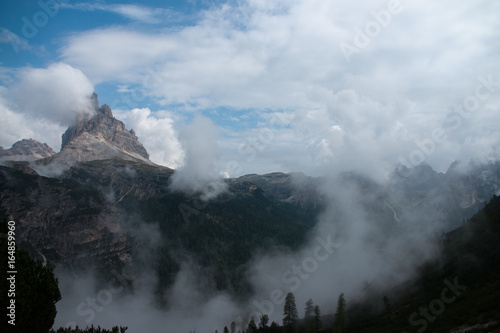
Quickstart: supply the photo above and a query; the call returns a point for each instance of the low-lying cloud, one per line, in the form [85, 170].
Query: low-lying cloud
[199, 173]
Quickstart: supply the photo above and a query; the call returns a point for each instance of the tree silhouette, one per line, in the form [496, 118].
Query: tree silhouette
[290, 312]
[340, 315]
[264, 320]
[36, 290]
[317, 319]
[309, 310]
[252, 327]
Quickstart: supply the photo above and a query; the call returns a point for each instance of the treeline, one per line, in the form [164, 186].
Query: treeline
[91, 329]
[291, 323]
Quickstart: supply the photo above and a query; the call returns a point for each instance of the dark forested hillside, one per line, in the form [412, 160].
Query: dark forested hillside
[459, 292]
[91, 216]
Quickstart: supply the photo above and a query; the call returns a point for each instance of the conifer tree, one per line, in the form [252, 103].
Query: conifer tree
[340, 315]
[264, 320]
[290, 312]
[317, 319]
[309, 310]
[233, 327]
[252, 327]
[36, 289]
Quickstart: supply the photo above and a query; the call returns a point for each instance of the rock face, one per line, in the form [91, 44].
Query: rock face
[60, 221]
[450, 196]
[26, 150]
[99, 138]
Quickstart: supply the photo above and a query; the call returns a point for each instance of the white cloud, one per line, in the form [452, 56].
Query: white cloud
[156, 132]
[17, 126]
[59, 93]
[133, 12]
[16, 42]
[199, 172]
[286, 56]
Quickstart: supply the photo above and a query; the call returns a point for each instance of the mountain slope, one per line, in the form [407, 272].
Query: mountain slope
[26, 150]
[459, 292]
[101, 137]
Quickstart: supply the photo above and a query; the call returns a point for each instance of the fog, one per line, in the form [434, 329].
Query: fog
[359, 245]
[199, 171]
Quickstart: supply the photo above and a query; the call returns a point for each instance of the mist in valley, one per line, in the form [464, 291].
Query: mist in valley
[358, 246]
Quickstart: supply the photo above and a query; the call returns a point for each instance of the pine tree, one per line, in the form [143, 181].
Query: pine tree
[264, 320]
[226, 330]
[317, 319]
[290, 312]
[340, 315]
[309, 310]
[233, 327]
[274, 328]
[252, 327]
[36, 293]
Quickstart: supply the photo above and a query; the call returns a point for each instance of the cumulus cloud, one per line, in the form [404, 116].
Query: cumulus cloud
[17, 126]
[59, 93]
[287, 57]
[156, 132]
[199, 171]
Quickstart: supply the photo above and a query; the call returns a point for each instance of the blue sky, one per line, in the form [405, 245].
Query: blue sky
[312, 86]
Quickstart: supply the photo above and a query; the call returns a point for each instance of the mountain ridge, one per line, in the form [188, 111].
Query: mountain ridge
[26, 150]
[101, 137]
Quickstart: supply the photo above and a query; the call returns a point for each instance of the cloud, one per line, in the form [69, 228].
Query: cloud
[130, 11]
[130, 295]
[59, 93]
[199, 171]
[156, 132]
[286, 57]
[17, 126]
[17, 43]
[351, 250]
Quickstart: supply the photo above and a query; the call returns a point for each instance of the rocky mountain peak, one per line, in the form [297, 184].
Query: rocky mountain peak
[26, 150]
[101, 137]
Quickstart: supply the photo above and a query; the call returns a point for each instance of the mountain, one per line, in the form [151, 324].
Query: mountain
[113, 204]
[26, 150]
[99, 138]
[458, 292]
[293, 188]
[422, 196]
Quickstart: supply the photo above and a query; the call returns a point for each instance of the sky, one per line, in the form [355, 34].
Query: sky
[299, 85]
